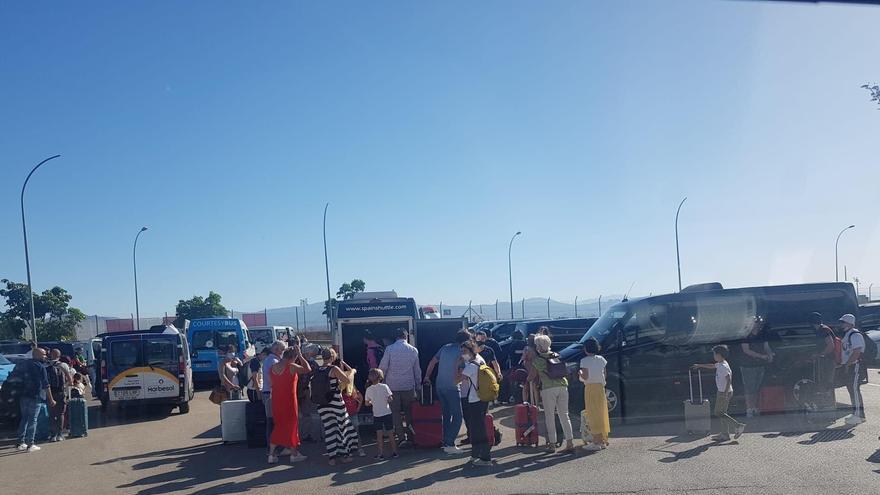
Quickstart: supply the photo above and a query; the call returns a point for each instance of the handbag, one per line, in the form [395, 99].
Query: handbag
[218, 395]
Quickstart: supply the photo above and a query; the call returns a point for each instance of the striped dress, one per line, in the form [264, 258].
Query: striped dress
[340, 435]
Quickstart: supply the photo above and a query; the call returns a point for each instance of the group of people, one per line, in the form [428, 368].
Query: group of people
[51, 379]
[836, 359]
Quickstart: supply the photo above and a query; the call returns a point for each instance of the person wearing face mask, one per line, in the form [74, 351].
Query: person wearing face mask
[229, 374]
[475, 410]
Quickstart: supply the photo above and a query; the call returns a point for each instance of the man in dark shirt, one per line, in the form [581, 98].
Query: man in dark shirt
[826, 359]
[34, 386]
[484, 339]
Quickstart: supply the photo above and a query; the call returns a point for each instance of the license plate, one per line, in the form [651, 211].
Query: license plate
[126, 394]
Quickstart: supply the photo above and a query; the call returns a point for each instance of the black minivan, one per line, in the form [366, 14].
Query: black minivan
[563, 331]
[650, 343]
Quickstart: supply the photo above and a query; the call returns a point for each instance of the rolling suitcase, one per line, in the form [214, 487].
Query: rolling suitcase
[492, 434]
[79, 417]
[771, 399]
[255, 424]
[232, 420]
[526, 422]
[426, 420]
[697, 415]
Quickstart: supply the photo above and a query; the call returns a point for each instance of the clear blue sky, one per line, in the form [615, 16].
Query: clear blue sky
[435, 130]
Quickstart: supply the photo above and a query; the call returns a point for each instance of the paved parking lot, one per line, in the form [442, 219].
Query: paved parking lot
[155, 454]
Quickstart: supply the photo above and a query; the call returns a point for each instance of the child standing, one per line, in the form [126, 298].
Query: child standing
[379, 396]
[724, 383]
[353, 403]
[78, 389]
[593, 375]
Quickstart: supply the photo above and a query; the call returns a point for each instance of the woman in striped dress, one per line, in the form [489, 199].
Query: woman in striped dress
[340, 435]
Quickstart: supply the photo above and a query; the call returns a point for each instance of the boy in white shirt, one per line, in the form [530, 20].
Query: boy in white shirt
[724, 384]
[379, 396]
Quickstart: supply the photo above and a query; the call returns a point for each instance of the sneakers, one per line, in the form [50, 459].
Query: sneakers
[21, 446]
[592, 447]
[404, 444]
[452, 450]
[33, 448]
[721, 438]
[739, 431]
[273, 459]
[480, 462]
[285, 452]
[379, 457]
[361, 453]
[57, 438]
[297, 458]
[854, 420]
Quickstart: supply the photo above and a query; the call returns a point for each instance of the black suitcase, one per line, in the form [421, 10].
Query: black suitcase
[255, 424]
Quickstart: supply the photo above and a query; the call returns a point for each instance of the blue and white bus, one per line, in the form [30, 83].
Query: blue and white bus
[210, 338]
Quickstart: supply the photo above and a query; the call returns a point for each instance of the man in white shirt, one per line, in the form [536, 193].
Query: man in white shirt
[851, 356]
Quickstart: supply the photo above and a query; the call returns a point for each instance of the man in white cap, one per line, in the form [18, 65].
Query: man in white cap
[851, 356]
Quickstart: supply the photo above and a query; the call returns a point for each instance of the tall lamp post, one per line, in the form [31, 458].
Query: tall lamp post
[677, 255]
[836, 265]
[137, 308]
[327, 273]
[510, 271]
[27, 258]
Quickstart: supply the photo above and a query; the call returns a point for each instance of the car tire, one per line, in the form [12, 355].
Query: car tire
[612, 396]
[183, 408]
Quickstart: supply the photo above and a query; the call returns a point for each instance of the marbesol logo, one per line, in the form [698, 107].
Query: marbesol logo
[160, 388]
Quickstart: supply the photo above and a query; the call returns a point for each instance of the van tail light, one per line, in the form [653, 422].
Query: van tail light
[181, 365]
[104, 374]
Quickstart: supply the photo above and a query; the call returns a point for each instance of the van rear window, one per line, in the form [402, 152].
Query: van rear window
[159, 352]
[125, 353]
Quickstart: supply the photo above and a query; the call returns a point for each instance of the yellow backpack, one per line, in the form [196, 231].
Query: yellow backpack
[487, 386]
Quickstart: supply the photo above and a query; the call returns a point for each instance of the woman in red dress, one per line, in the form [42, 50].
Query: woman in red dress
[284, 377]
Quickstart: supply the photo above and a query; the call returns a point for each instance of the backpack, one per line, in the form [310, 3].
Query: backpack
[322, 394]
[869, 355]
[487, 384]
[556, 368]
[56, 378]
[838, 349]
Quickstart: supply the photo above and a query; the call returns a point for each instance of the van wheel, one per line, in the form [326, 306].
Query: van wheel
[183, 407]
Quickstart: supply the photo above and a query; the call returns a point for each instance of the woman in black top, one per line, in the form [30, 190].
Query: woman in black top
[756, 355]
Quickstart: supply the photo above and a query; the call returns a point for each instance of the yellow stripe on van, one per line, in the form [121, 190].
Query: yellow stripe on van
[143, 369]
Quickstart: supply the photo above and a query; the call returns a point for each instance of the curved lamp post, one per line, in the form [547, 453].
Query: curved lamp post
[27, 258]
[836, 266]
[137, 308]
[510, 271]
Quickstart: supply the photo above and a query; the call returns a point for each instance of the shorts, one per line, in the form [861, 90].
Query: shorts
[384, 423]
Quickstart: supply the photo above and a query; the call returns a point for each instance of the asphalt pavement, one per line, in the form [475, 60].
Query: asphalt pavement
[153, 453]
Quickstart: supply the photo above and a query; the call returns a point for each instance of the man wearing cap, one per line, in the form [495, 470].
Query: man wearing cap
[853, 347]
[826, 359]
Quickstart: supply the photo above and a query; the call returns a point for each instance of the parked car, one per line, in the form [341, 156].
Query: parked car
[563, 331]
[651, 343]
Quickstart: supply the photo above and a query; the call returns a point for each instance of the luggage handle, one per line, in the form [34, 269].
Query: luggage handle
[430, 387]
[691, 384]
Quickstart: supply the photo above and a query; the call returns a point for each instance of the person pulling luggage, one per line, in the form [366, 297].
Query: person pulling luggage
[724, 383]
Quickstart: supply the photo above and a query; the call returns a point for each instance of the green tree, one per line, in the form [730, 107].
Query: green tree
[199, 307]
[55, 318]
[346, 291]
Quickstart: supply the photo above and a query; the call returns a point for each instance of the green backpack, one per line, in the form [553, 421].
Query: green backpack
[487, 386]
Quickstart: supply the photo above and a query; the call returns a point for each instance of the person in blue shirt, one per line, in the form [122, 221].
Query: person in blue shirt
[34, 387]
[448, 358]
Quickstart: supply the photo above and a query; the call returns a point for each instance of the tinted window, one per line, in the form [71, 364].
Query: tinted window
[225, 339]
[160, 352]
[647, 324]
[125, 353]
[203, 340]
[3, 360]
[504, 331]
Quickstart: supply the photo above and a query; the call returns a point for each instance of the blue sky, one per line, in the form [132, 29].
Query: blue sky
[436, 131]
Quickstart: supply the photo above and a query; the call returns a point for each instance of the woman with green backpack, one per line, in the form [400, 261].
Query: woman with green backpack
[551, 372]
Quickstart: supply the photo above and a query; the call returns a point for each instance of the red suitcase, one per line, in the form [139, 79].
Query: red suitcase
[491, 433]
[771, 399]
[426, 421]
[526, 417]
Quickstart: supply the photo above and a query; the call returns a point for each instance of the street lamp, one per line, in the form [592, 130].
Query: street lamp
[510, 271]
[27, 258]
[327, 272]
[677, 256]
[836, 266]
[137, 308]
